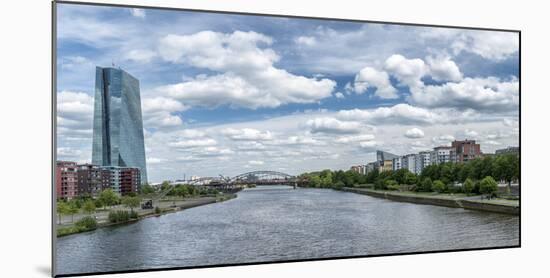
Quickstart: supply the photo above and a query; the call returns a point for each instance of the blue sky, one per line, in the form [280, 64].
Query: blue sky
[285, 94]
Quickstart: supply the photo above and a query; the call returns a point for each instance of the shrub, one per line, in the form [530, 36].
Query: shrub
[118, 216]
[133, 215]
[392, 185]
[438, 186]
[379, 185]
[338, 185]
[157, 210]
[427, 185]
[87, 223]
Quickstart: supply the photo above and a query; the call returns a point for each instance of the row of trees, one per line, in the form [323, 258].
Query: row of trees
[88, 205]
[478, 176]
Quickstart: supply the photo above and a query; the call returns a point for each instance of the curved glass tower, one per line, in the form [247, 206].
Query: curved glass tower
[118, 126]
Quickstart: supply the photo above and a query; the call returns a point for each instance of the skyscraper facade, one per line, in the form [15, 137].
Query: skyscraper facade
[118, 125]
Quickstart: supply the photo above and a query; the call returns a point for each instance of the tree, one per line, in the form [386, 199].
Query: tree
[438, 186]
[131, 202]
[88, 207]
[314, 181]
[410, 178]
[391, 185]
[468, 186]
[62, 209]
[488, 186]
[427, 184]
[399, 175]
[326, 178]
[506, 167]
[108, 197]
[146, 189]
[72, 209]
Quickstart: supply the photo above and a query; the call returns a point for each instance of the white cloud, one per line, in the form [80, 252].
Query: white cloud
[332, 125]
[157, 112]
[369, 77]
[295, 140]
[192, 143]
[407, 71]
[154, 160]
[404, 114]
[443, 139]
[471, 134]
[492, 142]
[414, 133]
[74, 113]
[248, 77]
[339, 95]
[138, 13]
[369, 146]
[443, 69]
[305, 40]
[141, 55]
[354, 138]
[486, 94]
[247, 134]
[256, 162]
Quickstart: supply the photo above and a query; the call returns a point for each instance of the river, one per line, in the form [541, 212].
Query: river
[273, 223]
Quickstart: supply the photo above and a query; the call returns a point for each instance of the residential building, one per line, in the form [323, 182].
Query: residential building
[397, 163]
[356, 168]
[118, 126]
[508, 150]
[92, 179]
[409, 162]
[130, 180]
[466, 150]
[385, 165]
[66, 179]
[371, 166]
[423, 159]
[382, 156]
[442, 154]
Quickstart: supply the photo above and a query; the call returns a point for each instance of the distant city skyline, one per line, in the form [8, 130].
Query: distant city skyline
[226, 94]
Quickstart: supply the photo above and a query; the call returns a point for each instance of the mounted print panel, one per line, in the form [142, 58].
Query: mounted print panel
[189, 138]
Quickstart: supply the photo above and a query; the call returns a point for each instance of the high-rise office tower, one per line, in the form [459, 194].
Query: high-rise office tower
[118, 126]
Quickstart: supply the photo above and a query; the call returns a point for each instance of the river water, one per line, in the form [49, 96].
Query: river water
[274, 223]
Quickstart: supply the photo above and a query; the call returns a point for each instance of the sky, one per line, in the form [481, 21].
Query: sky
[227, 94]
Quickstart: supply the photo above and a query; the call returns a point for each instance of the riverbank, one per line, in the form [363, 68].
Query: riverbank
[445, 200]
[165, 206]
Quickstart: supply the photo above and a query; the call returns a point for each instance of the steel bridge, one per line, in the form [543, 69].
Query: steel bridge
[255, 178]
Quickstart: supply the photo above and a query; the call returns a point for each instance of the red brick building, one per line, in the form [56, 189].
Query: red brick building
[66, 179]
[129, 180]
[92, 179]
[466, 150]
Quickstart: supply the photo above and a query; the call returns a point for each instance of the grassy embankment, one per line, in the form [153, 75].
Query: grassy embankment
[167, 205]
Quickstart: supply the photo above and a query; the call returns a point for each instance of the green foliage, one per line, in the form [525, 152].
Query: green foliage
[131, 202]
[157, 210]
[410, 178]
[108, 197]
[88, 207]
[392, 185]
[146, 189]
[119, 216]
[133, 215]
[468, 186]
[488, 186]
[439, 187]
[87, 223]
[426, 185]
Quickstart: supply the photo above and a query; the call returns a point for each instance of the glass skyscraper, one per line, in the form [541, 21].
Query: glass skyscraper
[118, 126]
